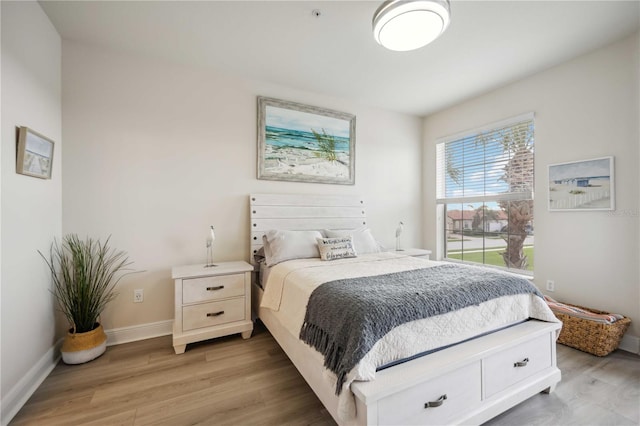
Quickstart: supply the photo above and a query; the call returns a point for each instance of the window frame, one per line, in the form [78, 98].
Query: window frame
[442, 201]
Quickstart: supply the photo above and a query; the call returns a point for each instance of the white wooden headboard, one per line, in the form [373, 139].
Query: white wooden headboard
[302, 212]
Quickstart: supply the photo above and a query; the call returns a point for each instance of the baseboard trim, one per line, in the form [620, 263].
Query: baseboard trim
[630, 344]
[117, 336]
[13, 401]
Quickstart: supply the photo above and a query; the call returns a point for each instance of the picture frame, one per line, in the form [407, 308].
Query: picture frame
[34, 156]
[585, 185]
[303, 143]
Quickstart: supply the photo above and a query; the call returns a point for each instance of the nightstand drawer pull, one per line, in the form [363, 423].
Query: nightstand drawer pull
[436, 403]
[522, 363]
[218, 287]
[215, 314]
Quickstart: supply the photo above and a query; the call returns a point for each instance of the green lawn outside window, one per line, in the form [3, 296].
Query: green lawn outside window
[490, 257]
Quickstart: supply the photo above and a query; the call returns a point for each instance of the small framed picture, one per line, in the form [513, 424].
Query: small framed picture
[35, 154]
[582, 185]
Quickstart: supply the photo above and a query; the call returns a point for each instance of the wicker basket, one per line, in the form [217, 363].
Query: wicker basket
[590, 336]
[79, 348]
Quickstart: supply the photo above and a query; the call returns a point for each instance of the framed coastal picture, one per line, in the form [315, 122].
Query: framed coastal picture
[303, 143]
[35, 154]
[582, 185]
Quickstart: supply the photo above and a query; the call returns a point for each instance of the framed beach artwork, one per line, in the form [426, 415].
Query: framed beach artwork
[303, 143]
[582, 185]
[35, 154]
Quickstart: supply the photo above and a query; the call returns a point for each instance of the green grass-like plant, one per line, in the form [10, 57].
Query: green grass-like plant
[85, 273]
[327, 145]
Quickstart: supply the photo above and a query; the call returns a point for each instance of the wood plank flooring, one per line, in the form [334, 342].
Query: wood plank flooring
[231, 381]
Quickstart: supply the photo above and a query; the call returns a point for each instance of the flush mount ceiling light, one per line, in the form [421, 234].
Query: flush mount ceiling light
[403, 25]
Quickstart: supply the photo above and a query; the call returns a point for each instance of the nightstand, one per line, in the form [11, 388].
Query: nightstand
[211, 302]
[415, 252]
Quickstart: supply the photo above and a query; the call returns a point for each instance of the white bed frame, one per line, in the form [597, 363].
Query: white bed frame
[468, 383]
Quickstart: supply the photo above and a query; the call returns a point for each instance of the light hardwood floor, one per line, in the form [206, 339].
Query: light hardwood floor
[230, 381]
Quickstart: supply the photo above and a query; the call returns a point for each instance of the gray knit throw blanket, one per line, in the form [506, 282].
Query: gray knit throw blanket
[345, 318]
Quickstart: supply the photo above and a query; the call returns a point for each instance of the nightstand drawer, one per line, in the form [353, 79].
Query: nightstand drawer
[511, 366]
[212, 288]
[213, 313]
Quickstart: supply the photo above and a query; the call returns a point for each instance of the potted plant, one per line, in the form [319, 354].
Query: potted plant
[85, 273]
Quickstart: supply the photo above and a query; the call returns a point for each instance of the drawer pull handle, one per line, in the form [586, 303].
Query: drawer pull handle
[215, 314]
[219, 287]
[522, 363]
[437, 403]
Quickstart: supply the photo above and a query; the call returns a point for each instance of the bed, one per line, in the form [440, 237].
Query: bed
[464, 376]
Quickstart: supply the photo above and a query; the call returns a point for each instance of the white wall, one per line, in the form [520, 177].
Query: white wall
[31, 209]
[584, 108]
[155, 153]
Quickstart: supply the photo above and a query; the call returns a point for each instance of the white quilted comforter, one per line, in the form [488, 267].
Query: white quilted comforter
[291, 283]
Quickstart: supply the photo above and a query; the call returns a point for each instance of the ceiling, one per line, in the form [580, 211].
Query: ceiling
[487, 45]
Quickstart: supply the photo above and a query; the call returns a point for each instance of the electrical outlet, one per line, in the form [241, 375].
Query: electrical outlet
[551, 285]
[138, 295]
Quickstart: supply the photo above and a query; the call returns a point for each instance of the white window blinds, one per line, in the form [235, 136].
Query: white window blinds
[494, 163]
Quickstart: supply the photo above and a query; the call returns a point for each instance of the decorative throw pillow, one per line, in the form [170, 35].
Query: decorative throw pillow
[363, 241]
[283, 245]
[336, 248]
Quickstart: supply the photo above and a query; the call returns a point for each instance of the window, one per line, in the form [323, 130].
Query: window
[485, 188]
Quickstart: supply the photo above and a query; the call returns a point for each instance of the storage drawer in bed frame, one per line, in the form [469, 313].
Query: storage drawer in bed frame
[501, 370]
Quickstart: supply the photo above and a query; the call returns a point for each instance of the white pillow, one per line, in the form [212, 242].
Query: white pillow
[287, 245]
[363, 241]
[336, 248]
